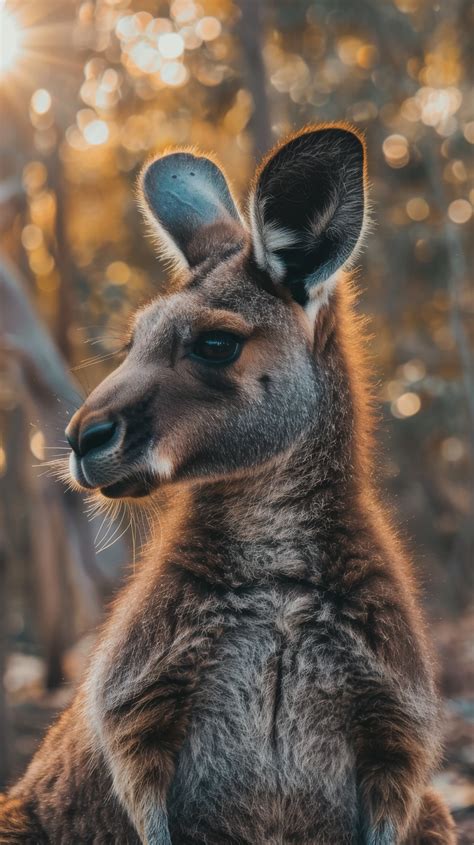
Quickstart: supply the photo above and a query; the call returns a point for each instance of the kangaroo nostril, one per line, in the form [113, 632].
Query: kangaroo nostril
[72, 439]
[95, 435]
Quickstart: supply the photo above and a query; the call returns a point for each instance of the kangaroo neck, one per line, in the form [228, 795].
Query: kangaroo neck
[270, 523]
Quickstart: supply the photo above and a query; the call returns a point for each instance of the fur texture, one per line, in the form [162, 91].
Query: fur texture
[264, 678]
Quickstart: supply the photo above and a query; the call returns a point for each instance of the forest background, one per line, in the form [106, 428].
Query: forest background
[87, 92]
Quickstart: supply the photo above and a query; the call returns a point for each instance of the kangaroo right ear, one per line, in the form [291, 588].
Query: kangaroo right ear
[307, 210]
[188, 202]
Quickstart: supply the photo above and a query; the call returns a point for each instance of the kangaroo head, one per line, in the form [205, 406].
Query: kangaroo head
[221, 375]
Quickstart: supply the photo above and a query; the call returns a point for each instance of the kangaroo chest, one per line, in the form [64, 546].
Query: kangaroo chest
[267, 756]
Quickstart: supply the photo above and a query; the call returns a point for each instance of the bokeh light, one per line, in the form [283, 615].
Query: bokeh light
[41, 101]
[406, 405]
[208, 28]
[417, 208]
[170, 45]
[460, 211]
[396, 151]
[96, 132]
[37, 444]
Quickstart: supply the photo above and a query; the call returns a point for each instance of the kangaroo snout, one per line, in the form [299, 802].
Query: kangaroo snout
[90, 436]
[96, 443]
[111, 435]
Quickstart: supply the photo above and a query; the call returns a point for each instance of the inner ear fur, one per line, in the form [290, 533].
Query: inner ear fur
[307, 207]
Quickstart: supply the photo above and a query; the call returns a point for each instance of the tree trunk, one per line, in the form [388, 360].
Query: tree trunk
[252, 39]
[69, 584]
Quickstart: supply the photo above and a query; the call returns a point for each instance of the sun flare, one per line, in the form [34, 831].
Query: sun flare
[10, 40]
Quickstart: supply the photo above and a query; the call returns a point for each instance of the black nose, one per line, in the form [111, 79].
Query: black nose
[94, 435]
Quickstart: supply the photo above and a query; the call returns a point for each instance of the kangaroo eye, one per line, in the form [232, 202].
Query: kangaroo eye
[216, 348]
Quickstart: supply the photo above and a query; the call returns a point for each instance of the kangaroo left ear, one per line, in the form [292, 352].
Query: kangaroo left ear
[188, 202]
[307, 209]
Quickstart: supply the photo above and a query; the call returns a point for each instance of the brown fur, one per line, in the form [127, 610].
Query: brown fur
[264, 677]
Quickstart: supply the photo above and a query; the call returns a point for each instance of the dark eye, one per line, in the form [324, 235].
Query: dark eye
[216, 348]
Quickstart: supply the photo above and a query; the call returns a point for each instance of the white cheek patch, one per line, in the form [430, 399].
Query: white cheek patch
[160, 465]
[320, 295]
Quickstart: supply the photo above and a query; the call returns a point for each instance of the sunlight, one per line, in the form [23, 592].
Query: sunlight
[10, 40]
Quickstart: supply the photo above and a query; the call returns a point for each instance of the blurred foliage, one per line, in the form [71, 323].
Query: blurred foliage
[90, 90]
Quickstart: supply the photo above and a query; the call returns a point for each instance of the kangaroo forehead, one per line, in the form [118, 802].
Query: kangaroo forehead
[231, 304]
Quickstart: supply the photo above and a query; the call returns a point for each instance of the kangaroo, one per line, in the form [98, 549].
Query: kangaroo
[264, 678]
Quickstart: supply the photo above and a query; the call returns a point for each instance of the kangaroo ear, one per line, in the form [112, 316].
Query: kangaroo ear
[188, 202]
[307, 210]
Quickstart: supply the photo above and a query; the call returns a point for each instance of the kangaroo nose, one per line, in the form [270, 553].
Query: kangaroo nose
[91, 437]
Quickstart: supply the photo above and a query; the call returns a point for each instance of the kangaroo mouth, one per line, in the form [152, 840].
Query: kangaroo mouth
[108, 478]
[131, 487]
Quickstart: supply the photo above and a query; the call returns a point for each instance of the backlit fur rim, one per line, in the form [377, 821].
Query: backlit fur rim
[166, 247]
[170, 252]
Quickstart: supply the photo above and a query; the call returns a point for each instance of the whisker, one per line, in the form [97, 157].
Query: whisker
[112, 526]
[97, 359]
[115, 540]
[60, 460]
[133, 535]
[108, 510]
